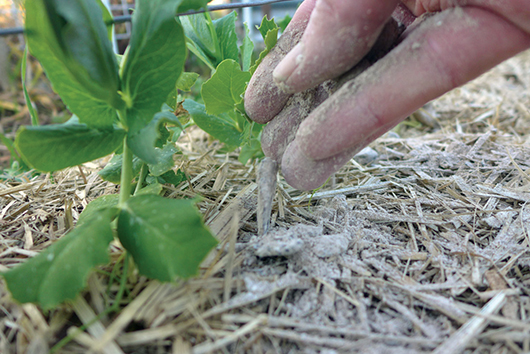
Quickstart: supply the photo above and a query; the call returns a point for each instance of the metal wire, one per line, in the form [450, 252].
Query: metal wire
[127, 18]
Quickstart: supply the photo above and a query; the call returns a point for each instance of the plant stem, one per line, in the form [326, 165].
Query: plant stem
[126, 174]
[31, 109]
[141, 178]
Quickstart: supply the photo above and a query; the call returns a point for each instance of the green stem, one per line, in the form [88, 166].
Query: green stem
[213, 34]
[32, 112]
[126, 174]
[141, 178]
[123, 282]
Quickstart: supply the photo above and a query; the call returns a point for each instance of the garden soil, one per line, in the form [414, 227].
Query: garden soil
[420, 245]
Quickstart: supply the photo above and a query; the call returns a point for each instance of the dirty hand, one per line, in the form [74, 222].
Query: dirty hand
[313, 135]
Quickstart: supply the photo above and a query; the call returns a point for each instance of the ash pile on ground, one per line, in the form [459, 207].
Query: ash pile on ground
[402, 267]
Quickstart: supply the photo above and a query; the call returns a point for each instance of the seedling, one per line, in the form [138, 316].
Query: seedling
[223, 115]
[122, 105]
[118, 107]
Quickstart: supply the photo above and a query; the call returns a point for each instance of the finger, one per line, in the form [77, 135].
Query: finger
[281, 131]
[306, 174]
[448, 50]
[263, 98]
[339, 34]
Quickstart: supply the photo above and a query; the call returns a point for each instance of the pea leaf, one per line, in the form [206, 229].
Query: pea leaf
[266, 26]
[201, 38]
[60, 272]
[155, 60]
[284, 22]
[269, 32]
[220, 127]
[112, 171]
[143, 142]
[174, 178]
[96, 206]
[69, 38]
[165, 160]
[246, 49]
[54, 147]
[251, 149]
[225, 28]
[224, 89]
[153, 188]
[192, 5]
[186, 81]
[166, 237]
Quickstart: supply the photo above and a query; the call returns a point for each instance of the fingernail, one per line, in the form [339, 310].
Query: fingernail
[288, 65]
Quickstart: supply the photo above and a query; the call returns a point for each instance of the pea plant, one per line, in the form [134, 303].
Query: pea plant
[223, 114]
[124, 105]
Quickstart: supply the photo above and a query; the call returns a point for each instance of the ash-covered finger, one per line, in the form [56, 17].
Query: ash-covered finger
[338, 36]
[263, 98]
[281, 131]
[444, 52]
[304, 173]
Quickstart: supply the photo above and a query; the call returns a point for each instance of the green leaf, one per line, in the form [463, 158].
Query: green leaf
[211, 41]
[61, 271]
[199, 53]
[155, 60]
[175, 133]
[284, 22]
[143, 143]
[174, 178]
[251, 147]
[269, 32]
[96, 206]
[266, 26]
[225, 27]
[166, 237]
[192, 5]
[246, 50]
[220, 127]
[165, 160]
[224, 89]
[54, 147]
[153, 188]
[186, 81]
[112, 171]
[69, 38]
[250, 151]
[202, 37]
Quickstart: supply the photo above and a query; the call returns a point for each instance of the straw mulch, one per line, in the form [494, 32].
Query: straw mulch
[422, 250]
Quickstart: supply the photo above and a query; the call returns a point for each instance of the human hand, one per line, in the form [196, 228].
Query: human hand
[313, 135]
